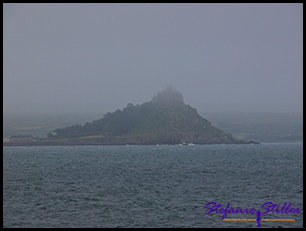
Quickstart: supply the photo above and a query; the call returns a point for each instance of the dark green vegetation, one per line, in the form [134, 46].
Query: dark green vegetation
[166, 119]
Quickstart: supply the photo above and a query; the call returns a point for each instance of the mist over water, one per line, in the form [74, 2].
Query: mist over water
[90, 59]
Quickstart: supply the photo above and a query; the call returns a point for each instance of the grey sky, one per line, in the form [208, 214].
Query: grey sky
[89, 58]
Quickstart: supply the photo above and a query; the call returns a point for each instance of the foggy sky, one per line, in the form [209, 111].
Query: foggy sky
[92, 58]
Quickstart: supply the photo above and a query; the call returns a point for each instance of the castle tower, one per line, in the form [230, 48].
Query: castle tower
[168, 95]
[169, 88]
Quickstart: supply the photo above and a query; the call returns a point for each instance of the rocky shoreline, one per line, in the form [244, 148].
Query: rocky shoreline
[117, 142]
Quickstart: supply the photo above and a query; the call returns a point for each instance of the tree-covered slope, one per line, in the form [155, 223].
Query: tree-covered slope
[165, 119]
[112, 124]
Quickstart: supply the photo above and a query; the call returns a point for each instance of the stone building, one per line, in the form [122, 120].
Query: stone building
[168, 95]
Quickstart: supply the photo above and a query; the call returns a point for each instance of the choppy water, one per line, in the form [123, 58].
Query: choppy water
[148, 186]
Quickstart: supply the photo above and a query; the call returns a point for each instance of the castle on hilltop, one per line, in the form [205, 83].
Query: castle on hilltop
[168, 95]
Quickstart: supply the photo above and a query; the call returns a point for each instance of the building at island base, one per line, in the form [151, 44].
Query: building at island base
[20, 138]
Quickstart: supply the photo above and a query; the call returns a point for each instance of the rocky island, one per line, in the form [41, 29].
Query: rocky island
[166, 119]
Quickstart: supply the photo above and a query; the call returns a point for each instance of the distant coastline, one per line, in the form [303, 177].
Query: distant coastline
[106, 143]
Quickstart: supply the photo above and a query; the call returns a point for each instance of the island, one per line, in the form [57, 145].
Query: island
[166, 119]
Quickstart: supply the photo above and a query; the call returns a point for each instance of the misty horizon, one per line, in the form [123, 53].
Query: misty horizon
[97, 58]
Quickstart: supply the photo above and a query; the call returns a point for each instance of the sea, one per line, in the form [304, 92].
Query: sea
[152, 186]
